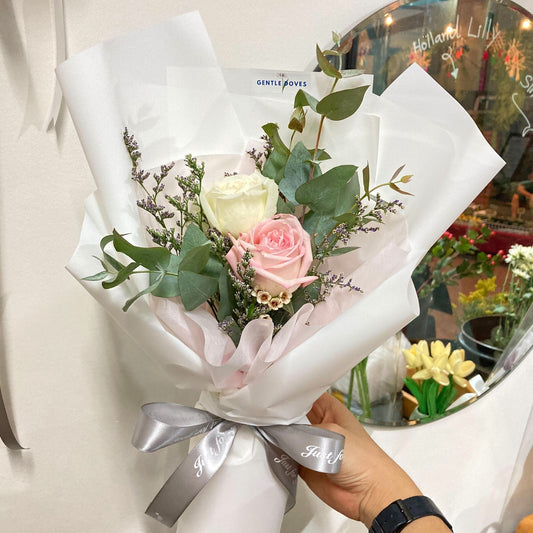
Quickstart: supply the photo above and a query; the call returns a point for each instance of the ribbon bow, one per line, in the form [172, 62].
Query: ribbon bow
[163, 424]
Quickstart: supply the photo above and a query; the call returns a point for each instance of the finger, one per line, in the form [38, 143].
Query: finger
[316, 414]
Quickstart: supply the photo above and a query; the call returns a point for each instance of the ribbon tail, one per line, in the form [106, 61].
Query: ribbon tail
[192, 474]
[285, 469]
[312, 447]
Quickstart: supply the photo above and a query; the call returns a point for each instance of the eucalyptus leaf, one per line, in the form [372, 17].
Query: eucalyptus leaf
[148, 290]
[193, 238]
[397, 189]
[297, 171]
[195, 289]
[271, 129]
[331, 53]
[347, 218]
[284, 207]
[227, 300]
[346, 45]
[366, 180]
[195, 259]
[332, 193]
[98, 277]
[297, 120]
[325, 65]
[321, 155]
[341, 104]
[303, 99]
[317, 225]
[122, 275]
[108, 259]
[397, 172]
[168, 287]
[154, 258]
[274, 166]
[342, 251]
[351, 72]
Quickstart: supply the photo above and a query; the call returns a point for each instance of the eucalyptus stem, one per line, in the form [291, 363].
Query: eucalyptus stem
[319, 133]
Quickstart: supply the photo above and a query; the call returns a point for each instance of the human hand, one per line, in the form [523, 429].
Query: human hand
[369, 479]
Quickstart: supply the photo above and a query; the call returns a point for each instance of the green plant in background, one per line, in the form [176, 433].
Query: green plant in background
[518, 291]
[482, 301]
[437, 372]
[448, 261]
[453, 258]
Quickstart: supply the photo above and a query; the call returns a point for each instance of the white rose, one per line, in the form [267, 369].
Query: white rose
[237, 203]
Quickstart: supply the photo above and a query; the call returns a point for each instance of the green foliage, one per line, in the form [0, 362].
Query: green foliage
[341, 104]
[325, 65]
[331, 194]
[296, 173]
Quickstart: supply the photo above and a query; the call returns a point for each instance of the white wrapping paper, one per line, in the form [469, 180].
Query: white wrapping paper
[164, 84]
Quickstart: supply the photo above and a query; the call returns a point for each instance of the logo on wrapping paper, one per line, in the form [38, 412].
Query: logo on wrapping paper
[316, 452]
[288, 465]
[282, 81]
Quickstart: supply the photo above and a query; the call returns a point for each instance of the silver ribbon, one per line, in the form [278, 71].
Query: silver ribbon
[163, 424]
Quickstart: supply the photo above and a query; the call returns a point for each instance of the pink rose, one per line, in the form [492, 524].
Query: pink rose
[281, 252]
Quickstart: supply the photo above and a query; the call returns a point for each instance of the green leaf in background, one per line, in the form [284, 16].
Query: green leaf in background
[325, 65]
[195, 289]
[155, 258]
[341, 104]
[297, 172]
[303, 99]
[271, 129]
[331, 194]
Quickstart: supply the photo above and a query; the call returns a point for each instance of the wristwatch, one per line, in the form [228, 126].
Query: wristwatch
[402, 512]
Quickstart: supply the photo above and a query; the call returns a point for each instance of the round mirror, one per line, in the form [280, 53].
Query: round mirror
[481, 52]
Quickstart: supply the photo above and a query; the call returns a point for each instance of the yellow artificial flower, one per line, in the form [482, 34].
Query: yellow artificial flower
[459, 368]
[438, 349]
[413, 356]
[434, 368]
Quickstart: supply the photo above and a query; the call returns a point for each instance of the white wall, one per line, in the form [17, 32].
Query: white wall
[73, 380]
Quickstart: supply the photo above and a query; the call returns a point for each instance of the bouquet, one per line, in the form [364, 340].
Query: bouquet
[258, 317]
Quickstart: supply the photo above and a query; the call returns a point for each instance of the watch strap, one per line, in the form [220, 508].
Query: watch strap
[402, 512]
